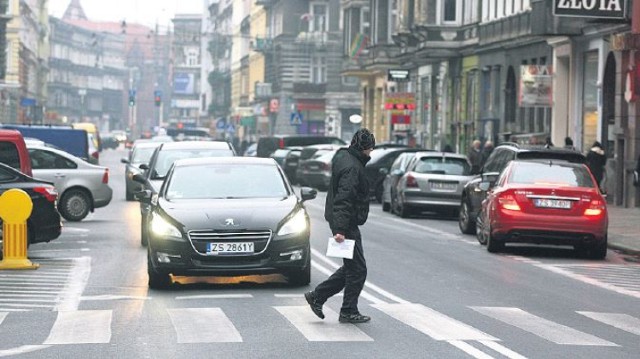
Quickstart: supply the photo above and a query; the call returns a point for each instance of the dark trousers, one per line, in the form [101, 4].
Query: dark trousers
[350, 277]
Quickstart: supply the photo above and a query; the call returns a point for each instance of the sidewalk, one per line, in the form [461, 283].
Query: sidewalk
[624, 228]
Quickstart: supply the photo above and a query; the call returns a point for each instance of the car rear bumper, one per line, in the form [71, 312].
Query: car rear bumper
[541, 229]
[185, 261]
[317, 179]
[416, 198]
[102, 196]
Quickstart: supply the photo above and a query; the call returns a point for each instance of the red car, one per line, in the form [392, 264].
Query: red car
[545, 202]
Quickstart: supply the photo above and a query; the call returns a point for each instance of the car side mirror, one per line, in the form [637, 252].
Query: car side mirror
[488, 180]
[143, 196]
[484, 186]
[124, 160]
[397, 172]
[139, 178]
[144, 167]
[307, 193]
[384, 171]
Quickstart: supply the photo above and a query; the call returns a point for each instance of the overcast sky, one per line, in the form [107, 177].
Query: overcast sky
[146, 12]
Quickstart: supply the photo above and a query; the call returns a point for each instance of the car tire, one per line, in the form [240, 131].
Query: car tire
[302, 277]
[467, 226]
[599, 250]
[386, 206]
[404, 211]
[493, 245]
[157, 279]
[480, 235]
[144, 233]
[75, 205]
[128, 194]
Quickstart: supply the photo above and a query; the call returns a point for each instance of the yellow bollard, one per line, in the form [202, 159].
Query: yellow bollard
[15, 208]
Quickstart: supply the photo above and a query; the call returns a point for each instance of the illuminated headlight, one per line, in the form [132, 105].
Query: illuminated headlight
[161, 228]
[296, 224]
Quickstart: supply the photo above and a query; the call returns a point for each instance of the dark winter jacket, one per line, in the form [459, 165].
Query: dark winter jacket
[596, 161]
[347, 203]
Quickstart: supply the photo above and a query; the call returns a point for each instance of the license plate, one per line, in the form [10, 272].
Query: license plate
[314, 168]
[230, 248]
[446, 186]
[552, 203]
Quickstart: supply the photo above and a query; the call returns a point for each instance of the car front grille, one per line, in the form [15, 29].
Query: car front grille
[260, 239]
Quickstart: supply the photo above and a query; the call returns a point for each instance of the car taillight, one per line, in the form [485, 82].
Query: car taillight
[596, 208]
[95, 155]
[105, 176]
[508, 202]
[326, 167]
[281, 143]
[411, 182]
[49, 193]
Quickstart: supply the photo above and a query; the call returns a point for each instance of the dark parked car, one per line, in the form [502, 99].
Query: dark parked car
[309, 153]
[473, 194]
[316, 172]
[162, 160]
[288, 159]
[227, 216]
[268, 145]
[381, 159]
[44, 223]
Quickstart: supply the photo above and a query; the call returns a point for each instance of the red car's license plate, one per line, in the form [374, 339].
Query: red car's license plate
[552, 203]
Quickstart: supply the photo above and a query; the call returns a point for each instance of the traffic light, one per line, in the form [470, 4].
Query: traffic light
[132, 98]
[157, 96]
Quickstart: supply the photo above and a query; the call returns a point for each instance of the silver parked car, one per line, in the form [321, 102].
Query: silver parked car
[398, 168]
[140, 154]
[82, 187]
[432, 181]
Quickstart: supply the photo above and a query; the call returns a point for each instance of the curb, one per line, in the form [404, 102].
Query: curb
[623, 248]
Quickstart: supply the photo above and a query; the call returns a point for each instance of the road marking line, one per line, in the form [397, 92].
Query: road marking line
[35, 286]
[22, 350]
[431, 322]
[215, 296]
[364, 294]
[318, 330]
[501, 349]
[203, 325]
[19, 300]
[81, 327]
[59, 250]
[367, 284]
[588, 280]
[301, 295]
[77, 281]
[621, 321]
[41, 275]
[2, 316]
[467, 348]
[29, 295]
[27, 305]
[543, 328]
[32, 280]
[114, 297]
[13, 310]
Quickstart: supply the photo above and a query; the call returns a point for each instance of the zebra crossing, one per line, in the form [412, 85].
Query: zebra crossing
[200, 325]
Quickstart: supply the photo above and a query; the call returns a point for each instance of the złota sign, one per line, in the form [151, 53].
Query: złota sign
[610, 9]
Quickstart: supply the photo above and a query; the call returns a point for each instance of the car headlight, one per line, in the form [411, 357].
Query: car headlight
[296, 224]
[162, 228]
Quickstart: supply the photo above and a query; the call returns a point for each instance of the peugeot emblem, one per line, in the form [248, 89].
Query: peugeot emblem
[229, 222]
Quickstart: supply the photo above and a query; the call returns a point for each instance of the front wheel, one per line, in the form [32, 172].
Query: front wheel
[75, 205]
[157, 279]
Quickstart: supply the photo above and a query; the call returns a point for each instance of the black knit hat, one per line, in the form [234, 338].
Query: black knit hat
[363, 140]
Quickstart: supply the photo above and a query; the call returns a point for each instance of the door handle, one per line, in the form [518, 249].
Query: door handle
[59, 175]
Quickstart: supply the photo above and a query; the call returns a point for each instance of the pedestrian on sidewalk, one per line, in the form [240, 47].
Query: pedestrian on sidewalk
[568, 143]
[475, 157]
[346, 208]
[596, 160]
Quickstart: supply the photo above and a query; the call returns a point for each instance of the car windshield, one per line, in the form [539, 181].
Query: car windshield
[549, 174]
[167, 157]
[142, 155]
[229, 181]
[443, 165]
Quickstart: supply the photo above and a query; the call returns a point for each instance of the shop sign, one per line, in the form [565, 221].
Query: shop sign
[398, 75]
[536, 86]
[609, 9]
[400, 101]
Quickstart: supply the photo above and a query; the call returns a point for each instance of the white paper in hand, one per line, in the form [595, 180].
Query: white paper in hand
[340, 250]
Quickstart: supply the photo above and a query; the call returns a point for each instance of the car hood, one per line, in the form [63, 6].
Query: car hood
[230, 214]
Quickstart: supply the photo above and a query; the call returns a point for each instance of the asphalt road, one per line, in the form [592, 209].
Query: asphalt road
[432, 293]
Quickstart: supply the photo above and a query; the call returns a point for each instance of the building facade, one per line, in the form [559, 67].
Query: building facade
[186, 77]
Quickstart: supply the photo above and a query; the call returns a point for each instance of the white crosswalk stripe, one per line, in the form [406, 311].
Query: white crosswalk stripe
[619, 278]
[621, 321]
[203, 325]
[81, 327]
[318, 330]
[432, 323]
[546, 329]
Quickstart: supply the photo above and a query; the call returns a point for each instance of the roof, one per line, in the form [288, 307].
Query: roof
[222, 145]
[225, 161]
[146, 144]
[440, 154]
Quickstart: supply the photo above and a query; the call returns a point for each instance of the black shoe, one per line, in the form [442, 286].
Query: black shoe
[353, 318]
[313, 303]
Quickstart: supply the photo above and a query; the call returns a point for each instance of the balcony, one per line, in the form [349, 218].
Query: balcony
[317, 38]
[438, 41]
[262, 44]
[308, 88]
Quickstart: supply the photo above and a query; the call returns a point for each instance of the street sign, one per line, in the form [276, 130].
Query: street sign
[296, 118]
[221, 124]
[231, 129]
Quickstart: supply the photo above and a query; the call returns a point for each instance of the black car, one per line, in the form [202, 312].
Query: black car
[288, 159]
[227, 216]
[381, 159]
[268, 144]
[44, 223]
[473, 194]
[161, 160]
